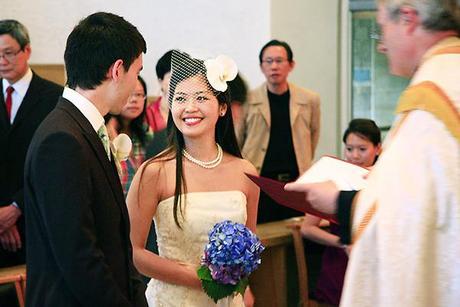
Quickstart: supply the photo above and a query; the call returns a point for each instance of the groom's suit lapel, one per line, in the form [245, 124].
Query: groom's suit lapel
[96, 145]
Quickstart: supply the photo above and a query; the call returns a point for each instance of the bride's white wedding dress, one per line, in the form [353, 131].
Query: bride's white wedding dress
[186, 245]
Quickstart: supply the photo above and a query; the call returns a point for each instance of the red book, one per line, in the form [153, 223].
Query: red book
[290, 199]
[345, 175]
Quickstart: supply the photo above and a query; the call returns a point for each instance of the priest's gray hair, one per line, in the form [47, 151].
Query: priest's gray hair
[436, 15]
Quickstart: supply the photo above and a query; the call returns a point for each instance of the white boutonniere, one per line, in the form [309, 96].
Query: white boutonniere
[219, 71]
[121, 149]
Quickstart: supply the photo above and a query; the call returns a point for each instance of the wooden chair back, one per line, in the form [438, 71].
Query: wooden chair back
[17, 276]
[302, 270]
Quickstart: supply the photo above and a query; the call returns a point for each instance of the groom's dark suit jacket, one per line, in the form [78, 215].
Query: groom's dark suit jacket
[41, 97]
[78, 249]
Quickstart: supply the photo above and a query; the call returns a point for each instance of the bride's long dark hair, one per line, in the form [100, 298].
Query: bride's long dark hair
[224, 132]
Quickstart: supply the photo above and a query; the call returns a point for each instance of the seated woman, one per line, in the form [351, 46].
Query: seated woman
[131, 121]
[197, 182]
[362, 146]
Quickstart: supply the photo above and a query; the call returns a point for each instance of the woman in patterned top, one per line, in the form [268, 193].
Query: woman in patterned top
[131, 121]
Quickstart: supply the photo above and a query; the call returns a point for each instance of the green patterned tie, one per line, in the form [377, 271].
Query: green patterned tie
[103, 135]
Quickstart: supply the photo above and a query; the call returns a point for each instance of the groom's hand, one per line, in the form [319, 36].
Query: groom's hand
[11, 239]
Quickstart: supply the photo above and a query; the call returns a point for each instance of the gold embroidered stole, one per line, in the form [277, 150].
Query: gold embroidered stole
[426, 96]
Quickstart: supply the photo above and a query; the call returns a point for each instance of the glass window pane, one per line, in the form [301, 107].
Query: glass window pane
[374, 91]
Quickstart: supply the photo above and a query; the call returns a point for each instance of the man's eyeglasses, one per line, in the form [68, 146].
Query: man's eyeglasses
[10, 55]
[137, 96]
[270, 61]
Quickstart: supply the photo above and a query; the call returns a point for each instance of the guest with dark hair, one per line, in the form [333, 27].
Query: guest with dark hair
[362, 140]
[362, 146]
[131, 121]
[163, 70]
[25, 100]
[157, 111]
[238, 93]
[276, 43]
[281, 126]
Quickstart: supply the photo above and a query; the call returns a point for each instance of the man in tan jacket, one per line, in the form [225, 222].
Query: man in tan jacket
[281, 126]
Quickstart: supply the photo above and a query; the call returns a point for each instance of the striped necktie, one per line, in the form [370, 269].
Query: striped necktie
[103, 135]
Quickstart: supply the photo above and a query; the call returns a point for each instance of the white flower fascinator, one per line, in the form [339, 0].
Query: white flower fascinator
[193, 76]
[219, 71]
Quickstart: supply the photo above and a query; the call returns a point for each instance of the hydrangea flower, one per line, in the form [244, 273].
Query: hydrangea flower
[233, 252]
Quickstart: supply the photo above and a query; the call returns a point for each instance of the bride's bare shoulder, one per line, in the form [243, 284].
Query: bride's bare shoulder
[153, 167]
[242, 165]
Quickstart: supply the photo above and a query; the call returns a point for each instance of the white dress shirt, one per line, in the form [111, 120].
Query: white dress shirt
[85, 106]
[20, 89]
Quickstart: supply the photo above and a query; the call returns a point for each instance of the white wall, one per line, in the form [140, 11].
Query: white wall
[237, 28]
[311, 29]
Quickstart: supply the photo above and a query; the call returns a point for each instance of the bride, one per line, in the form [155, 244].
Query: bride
[198, 181]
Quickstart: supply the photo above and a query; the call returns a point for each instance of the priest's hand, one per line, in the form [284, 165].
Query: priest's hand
[322, 195]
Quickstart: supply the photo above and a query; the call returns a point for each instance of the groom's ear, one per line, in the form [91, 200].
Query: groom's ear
[116, 70]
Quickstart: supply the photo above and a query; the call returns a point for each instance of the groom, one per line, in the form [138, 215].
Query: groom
[79, 252]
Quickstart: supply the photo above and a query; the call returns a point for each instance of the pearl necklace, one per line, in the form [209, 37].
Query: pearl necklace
[205, 164]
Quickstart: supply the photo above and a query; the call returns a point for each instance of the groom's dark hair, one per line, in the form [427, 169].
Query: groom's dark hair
[95, 44]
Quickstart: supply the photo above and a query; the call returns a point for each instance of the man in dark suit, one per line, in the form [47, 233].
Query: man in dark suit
[78, 250]
[25, 100]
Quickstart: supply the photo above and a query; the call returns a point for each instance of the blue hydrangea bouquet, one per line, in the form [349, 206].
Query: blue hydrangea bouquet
[233, 252]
